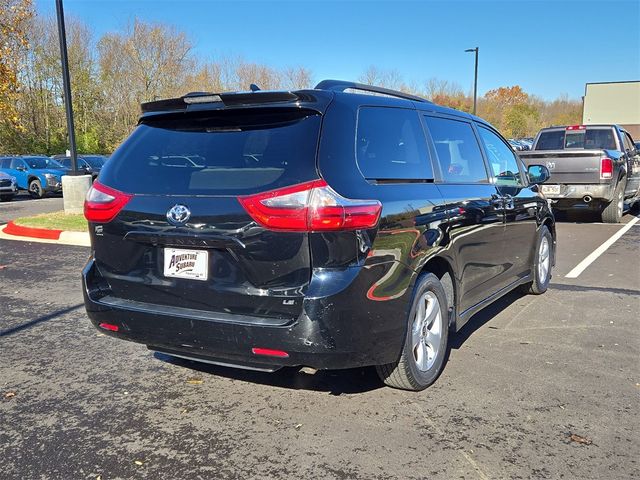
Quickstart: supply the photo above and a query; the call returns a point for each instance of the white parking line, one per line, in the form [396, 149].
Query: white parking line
[581, 267]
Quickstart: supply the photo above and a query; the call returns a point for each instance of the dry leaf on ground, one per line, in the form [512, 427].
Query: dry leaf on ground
[194, 381]
[580, 439]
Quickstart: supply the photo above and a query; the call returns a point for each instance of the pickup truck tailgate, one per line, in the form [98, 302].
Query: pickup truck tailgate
[566, 166]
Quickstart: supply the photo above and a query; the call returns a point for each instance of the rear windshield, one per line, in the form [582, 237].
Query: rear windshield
[220, 153]
[591, 138]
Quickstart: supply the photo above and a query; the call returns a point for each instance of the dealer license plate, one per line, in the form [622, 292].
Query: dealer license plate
[191, 264]
[551, 189]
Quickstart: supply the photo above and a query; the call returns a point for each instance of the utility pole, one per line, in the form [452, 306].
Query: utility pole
[475, 79]
[66, 84]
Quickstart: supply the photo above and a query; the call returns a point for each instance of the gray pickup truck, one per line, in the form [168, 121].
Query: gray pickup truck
[594, 167]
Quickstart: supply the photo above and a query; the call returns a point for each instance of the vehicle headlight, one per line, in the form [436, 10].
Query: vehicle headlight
[51, 179]
[14, 180]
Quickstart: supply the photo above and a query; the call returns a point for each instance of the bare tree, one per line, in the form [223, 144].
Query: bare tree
[146, 62]
[297, 78]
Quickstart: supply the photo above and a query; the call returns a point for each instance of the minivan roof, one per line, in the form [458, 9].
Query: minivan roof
[316, 99]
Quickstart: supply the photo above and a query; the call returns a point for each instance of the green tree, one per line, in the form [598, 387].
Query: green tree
[14, 19]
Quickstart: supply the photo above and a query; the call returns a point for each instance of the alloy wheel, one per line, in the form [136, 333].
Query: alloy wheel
[426, 331]
[544, 259]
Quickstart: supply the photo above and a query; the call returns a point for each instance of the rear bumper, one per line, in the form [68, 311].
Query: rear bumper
[341, 326]
[575, 196]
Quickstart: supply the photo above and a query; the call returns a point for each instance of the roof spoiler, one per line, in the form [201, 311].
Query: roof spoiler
[225, 99]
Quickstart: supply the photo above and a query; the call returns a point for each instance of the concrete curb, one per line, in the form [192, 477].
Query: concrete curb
[21, 231]
[11, 231]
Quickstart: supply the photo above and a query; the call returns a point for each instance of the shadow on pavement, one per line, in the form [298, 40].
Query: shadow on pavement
[456, 340]
[581, 288]
[335, 382]
[36, 321]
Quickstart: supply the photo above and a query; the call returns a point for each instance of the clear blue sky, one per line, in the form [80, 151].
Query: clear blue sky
[548, 47]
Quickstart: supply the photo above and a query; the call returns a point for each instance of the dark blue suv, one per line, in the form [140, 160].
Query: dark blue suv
[342, 226]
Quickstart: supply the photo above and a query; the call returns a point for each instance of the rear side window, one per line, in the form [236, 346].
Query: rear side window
[391, 145]
[551, 140]
[458, 151]
[217, 153]
[5, 163]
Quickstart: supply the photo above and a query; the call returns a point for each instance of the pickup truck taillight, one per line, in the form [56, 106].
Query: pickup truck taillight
[606, 168]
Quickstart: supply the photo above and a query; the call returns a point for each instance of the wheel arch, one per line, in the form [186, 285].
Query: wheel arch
[443, 269]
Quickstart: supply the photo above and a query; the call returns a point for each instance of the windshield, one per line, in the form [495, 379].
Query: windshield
[94, 161]
[37, 162]
[51, 163]
[221, 153]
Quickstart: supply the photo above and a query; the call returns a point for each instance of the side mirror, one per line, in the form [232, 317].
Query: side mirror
[538, 174]
[21, 168]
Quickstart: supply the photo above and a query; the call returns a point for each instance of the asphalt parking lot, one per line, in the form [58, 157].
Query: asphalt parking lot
[23, 205]
[523, 377]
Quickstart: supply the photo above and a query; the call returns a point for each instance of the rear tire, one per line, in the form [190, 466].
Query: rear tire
[613, 211]
[35, 189]
[425, 345]
[542, 262]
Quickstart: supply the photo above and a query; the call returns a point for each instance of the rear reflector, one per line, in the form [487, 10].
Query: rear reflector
[269, 352]
[109, 326]
[606, 168]
[103, 203]
[576, 127]
[310, 207]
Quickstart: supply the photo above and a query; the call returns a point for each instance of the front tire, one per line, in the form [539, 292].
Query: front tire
[425, 345]
[35, 189]
[542, 262]
[612, 213]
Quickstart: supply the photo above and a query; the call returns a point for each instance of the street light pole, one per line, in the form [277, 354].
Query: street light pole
[475, 80]
[66, 85]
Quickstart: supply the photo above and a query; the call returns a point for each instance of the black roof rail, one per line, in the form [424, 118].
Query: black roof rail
[342, 85]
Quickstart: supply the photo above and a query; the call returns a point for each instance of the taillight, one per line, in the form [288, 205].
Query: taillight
[311, 206]
[103, 203]
[576, 127]
[606, 168]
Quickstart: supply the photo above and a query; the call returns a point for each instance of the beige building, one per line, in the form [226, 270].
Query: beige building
[613, 102]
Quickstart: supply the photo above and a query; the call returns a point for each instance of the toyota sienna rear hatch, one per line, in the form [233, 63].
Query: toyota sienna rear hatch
[183, 239]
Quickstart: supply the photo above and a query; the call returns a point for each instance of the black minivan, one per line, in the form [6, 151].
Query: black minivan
[335, 227]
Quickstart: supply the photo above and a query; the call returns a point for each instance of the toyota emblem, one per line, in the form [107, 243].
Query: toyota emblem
[178, 215]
